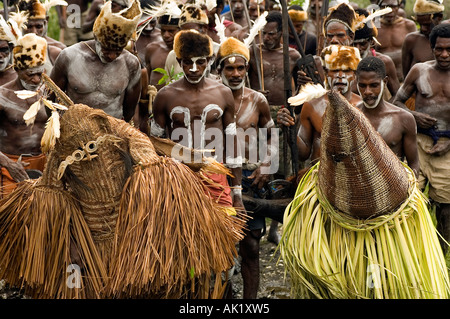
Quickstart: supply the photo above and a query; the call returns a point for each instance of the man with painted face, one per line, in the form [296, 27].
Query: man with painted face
[338, 29]
[7, 72]
[416, 47]
[198, 112]
[252, 115]
[99, 72]
[396, 126]
[366, 40]
[20, 144]
[392, 33]
[429, 82]
[340, 63]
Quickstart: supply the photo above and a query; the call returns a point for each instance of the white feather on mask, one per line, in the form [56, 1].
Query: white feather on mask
[308, 92]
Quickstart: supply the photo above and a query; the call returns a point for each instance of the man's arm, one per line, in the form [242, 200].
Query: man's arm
[305, 133]
[133, 91]
[407, 89]
[93, 12]
[406, 54]
[410, 143]
[261, 175]
[393, 83]
[233, 158]
[158, 121]
[15, 169]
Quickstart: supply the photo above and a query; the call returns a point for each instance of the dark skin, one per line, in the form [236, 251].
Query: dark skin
[18, 138]
[393, 83]
[272, 55]
[392, 32]
[195, 97]
[8, 73]
[416, 47]
[254, 113]
[234, 27]
[396, 126]
[98, 85]
[148, 35]
[237, 13]
[156, 53]
[429, 81]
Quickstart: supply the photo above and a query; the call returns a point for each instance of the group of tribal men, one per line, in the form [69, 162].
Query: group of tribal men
[194, 73]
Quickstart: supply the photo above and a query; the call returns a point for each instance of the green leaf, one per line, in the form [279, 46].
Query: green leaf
[192, 272]
[160, 70]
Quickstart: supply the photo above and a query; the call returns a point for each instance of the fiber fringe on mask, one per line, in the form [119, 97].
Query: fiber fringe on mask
[332, 255]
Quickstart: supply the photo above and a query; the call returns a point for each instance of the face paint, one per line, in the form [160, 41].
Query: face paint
[377, 101]
[227, 83]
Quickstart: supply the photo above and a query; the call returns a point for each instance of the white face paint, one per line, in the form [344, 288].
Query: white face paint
[227, 83]
[5, 62]
[98, 50]
[377, 101]
[342, 80]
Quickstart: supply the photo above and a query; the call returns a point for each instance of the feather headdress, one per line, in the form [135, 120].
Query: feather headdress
[10, 31]
[167, 7]
[372, 16]
[48, 4]
[257, 26]
[308, 92]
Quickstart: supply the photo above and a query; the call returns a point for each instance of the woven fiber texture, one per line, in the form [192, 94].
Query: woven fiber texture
[359, 174]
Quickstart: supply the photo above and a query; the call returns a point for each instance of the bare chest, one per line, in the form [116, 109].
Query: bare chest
[110, 79]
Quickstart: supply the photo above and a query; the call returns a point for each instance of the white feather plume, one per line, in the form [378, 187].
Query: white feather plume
[9, 31]
[220, 28]
[258, 25]
[48, 4]
[20, 17]
[31, 113]
[51, 133]
[167, 7]
[210, 4]
[373, 15]
[308, 92]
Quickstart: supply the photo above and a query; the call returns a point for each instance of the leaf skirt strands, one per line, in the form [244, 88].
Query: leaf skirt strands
[329, 254]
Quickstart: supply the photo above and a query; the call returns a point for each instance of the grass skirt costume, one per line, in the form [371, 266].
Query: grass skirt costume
[359, 226]
[140, 222]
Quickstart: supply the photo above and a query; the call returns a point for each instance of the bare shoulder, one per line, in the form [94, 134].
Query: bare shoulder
[411, 25]
[293, 53]
[403, 115]
[131, 60]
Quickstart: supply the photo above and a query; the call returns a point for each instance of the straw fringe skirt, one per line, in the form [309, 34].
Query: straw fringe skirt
[331, 255]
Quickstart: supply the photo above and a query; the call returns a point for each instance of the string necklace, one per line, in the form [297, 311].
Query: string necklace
[240, 104]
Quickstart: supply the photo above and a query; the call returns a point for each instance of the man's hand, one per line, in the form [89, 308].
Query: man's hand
[15, 169]
[423, 120]
[284, 117]
[237, 202]
[302, 78]
[259, 180]
[441, 148]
